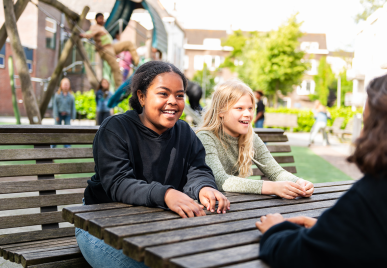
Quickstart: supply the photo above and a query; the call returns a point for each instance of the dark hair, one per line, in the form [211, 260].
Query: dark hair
[100, 84]
[144, 77]
[260, 92]
[98, 15]
[371, 147]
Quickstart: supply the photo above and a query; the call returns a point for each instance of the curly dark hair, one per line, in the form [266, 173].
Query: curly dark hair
[144, 77]
[371, 147]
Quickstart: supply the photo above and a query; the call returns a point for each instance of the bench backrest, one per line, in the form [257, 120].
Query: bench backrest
[280, 120]
[36, 181]
[337, 123]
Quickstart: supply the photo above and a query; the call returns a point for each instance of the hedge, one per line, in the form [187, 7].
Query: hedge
[306, 120]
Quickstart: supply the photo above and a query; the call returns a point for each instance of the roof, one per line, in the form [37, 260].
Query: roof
[197, 36]
[321, 38]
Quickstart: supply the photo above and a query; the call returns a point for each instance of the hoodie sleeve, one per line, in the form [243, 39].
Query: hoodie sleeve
[118, 179]
[199, 174]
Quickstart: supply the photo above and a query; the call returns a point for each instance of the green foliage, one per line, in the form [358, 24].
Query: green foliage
[85, 104]
[271, 61]
[209, 78]
[370, 6]
[305, 118]
[123, 106]
[237, 41]
[324, 80]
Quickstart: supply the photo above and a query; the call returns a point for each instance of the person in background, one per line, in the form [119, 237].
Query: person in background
[64, 105]
[125, 59]
[260, 117]
[101, 98]
[353, 232]
[107, 50]
[321, 116]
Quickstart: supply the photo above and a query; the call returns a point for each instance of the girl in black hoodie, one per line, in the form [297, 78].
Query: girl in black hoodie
[148, 157]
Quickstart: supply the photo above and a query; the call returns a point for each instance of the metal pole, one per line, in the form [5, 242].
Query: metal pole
[12, 82]
[338, 99]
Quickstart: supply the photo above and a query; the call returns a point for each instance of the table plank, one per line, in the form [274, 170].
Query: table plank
[113, 236]
[218, 258]
[134, 247]
[249, 264]
[158, 257]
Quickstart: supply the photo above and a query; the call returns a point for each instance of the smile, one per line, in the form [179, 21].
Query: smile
[169, 112]
[244, 122]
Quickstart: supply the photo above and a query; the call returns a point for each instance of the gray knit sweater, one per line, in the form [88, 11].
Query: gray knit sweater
[222, 162]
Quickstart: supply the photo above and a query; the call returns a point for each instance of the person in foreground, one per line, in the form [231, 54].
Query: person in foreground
[353, 233]
[148, 157]
[231, 146]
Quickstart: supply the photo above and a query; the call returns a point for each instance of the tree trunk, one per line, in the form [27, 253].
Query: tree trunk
[18, 10]
[67, 49]
[62, 8]
[29, 99]
[14, 99]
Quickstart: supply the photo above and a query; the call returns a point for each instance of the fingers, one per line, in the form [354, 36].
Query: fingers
[187, 210]
[297, 220]
[180, 212]
[286, 196]
[223, 203]
[294, 187]
[212, 200]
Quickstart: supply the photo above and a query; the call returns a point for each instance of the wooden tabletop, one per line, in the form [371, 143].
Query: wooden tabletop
[162, 239]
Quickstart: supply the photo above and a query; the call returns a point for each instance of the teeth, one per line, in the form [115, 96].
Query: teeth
[244, 122]
[169, 112]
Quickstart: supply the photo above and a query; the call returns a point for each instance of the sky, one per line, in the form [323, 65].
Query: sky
[335, 18]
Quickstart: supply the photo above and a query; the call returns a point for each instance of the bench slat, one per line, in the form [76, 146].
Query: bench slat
[48, 129]
[157, 257]
[279, 148]
[284, 159]
[40, 201]
[50, 256]
[114, 236]
[135, 247]
[18, 255]
[44, 169]
[34, 154]
[42, 185]
[249, 264]
[73, 263]
[7, 239]
[273, 138]
[30, 219]
[257, 172]
[45, 138]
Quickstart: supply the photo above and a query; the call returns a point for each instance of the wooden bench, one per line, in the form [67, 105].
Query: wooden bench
[340, 133]
[36, 182]
[281, 120]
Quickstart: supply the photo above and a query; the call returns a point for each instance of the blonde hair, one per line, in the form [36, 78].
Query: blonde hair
[224, 98]
[60, 86]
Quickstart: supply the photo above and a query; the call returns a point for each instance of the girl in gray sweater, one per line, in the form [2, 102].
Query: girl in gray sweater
[231, 147]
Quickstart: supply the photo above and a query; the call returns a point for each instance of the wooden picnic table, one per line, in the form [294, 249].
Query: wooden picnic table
[162, 239]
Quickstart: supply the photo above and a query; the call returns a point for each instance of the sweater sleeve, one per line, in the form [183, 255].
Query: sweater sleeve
[199, 173]
[346, 235]
[267, 164]
[117, 175]
[224, 181]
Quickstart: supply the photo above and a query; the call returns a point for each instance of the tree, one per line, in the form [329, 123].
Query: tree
[205, 79]
[324, 80]
[370, 6]
[272, 61]
[237, 41]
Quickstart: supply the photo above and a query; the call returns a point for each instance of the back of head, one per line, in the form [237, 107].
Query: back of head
[226, 95]
[144, 76]
[98, 15]
[371, 147]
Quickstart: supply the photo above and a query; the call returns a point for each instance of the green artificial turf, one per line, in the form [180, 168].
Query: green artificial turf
[314, 168]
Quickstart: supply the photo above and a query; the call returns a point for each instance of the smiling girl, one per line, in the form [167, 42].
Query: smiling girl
[148, 157]
[231, 146]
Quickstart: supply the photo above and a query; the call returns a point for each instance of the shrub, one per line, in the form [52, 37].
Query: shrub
[85, 104]
[306, 119]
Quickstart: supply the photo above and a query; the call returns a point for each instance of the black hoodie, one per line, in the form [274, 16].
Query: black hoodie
[135, 165]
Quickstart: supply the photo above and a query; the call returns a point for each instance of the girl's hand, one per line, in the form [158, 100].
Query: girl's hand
[268, 221]
[308, 187]
[307, 222]
[284, 189]
[208, 197]
[182, 204]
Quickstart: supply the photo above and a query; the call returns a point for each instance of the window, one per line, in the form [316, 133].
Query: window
[198, 62]
[186, 62]
[309, 46]
[307, 87]
[29, 56]
[29, 64]
[2, 57]
[212, 42]
[313, 67]
[50, 33]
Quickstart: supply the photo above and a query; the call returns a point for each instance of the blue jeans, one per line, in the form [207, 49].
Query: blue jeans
[99, 254]
[66, 119]
[259, 123]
